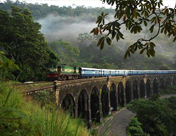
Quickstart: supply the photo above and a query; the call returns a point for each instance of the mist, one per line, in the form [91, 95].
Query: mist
[59, 27]
[68, 28]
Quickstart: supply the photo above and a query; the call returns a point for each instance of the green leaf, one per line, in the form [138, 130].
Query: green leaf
[92, 30]
[139, 28]
[132, 29]
[102, 13]
[152, 45]
[117, 37]
[120, 34]
[148, 53]
[135, 48]
[174, 39]
[108, 40]
[146, 13]
[100, 41]
[126, 54]
[151, 28]
[102, 45]
[152, 53]
[145, 23]
[99, 19]
[96, 31]
[113, 34]
[142, 50]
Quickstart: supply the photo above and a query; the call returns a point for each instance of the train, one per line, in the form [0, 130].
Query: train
[64, 72]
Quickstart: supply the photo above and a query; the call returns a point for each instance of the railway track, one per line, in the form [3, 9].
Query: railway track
[33, 87]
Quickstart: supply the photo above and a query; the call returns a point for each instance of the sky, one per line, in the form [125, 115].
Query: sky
[86, 3]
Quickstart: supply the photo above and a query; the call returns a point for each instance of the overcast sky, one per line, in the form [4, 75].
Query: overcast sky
[86, 3]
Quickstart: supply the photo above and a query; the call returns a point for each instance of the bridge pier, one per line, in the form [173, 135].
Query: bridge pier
[138, 91]
[101, 113]
[124, 97]
[151, 88]
[109, 102]
[89, 114]
[132, 97]
[145, 90]
[76, 110]
[57, 97]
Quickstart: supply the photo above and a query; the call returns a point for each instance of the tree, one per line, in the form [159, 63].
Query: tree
[135, 16]
[23, 42]
[134, 128]
[6, 63]
[157, 116]
[7, 66]
[65, 51]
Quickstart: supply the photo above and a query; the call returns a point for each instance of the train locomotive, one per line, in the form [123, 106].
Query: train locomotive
[64, 72]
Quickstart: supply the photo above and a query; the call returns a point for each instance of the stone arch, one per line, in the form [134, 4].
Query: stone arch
[135, 90]
[83, 105]
[148, 88]
[142, 89]
[155, 86]
[113, 97]
[162, 84]
[68, 103]
[128, 92]
[95, 107]
[168, 82]
[121, 94]
[105, 100]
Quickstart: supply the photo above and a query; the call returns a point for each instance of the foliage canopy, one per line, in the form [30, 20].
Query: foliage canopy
[157, 116]
[23, 43]
[136, 16]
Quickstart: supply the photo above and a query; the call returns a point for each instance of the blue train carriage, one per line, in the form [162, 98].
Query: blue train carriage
[112, 72]
[172, 71]
[90, 72]
[123, 72]
[132, 72]
[106, 72]
[142, 72]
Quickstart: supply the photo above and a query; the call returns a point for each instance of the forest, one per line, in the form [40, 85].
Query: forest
[154, 117]
[64, 35]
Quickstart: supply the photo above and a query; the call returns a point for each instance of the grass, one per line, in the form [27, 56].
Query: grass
[19, 117]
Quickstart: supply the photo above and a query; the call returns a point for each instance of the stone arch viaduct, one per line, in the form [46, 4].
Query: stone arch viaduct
[94, 98]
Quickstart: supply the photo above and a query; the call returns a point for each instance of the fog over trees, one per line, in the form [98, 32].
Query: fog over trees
[67, 32]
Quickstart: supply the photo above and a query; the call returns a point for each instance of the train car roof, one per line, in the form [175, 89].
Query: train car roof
[90, 68]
